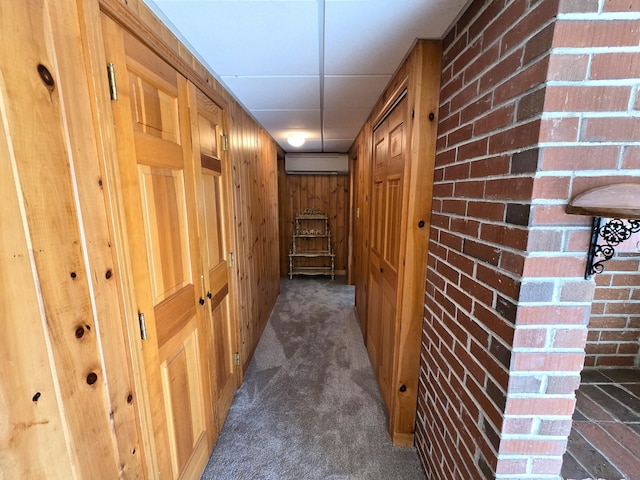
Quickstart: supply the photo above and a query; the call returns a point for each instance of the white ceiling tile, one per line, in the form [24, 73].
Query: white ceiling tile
[345, 117]
[276, 93]
[337, 146]
[353, 91]
[267, 53]
[373, 36]
[355, 34]
[250, 37]
[340, 133]
[288, 119]
[312, 135]
[310, 146]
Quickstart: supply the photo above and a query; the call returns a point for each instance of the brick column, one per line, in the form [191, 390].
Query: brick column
[589, 131]
[535, 109]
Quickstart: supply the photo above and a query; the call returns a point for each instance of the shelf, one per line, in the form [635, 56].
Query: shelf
[312, 271]
[621, 200]
[312, 214]
[311, 217]
[619, 204]
[311, 223]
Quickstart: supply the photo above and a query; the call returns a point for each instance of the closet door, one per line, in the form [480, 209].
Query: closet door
[389, 152]
[153, 134]
[215, 233]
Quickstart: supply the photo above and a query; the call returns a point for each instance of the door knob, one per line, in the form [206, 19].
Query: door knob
[209, 295]
[201, 301]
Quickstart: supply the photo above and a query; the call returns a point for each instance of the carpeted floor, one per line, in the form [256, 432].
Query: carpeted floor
[310, 407]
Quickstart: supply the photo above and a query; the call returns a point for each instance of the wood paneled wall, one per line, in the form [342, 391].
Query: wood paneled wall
[69, 393]
[419, 77]
[361, 150]
[65, 372]
[254, 171]
[255, 187]
[329, 193]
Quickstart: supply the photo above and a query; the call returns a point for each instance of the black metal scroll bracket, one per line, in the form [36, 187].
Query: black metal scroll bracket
[612, 234]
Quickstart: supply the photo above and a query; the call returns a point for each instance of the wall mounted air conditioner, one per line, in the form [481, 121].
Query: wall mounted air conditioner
[316, 163]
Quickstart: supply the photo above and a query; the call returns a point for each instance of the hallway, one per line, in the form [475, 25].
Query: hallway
[310, 406]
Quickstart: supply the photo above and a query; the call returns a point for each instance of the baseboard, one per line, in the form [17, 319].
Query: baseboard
[404, 440]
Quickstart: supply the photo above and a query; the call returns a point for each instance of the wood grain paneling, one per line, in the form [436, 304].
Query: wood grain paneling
[403, 239]
[252, 155]
[362, 152]
[216, 237]
[329, 193]
[62, 339]
[255, 191]
[161, 221]
[72, 385]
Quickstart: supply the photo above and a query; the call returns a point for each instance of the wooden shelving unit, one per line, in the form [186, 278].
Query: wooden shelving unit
[311, 225]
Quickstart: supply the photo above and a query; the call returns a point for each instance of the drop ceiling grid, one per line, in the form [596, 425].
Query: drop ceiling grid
[268, 53]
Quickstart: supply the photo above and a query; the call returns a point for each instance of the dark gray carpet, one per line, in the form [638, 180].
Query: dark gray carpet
[310, 407]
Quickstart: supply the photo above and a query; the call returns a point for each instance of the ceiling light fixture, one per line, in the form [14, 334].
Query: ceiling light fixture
[296, 140]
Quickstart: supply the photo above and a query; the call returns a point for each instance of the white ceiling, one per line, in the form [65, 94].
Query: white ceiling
[315, 67]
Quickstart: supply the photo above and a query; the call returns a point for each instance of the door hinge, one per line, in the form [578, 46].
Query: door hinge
[236, 358]
[232, 260]
[113, 88]
[225, 142]
[143, 326]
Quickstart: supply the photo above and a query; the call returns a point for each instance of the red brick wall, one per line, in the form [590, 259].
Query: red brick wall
[522, 130]
[489, 121]
[608, 152]
[593, 85]
[614, 326]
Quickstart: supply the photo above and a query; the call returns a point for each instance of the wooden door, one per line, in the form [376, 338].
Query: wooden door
[361, 232]
[389, 152]
[216, 234]
[157, 172]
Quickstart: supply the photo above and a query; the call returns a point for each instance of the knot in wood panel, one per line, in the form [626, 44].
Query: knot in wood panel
[46, 77]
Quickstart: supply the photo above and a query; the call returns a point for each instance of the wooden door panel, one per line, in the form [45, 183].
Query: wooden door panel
[225, 368]
[386, 247]
[212, 213]
[153, 95]
[172, 345]
[387, 330]
[154, 109]
[392, 222]
[222, 335]
[374, 328]
[377, 212]
[164, 216]
[219, 282]
[173, 314]
[208, 131]
[215, 221]
[181, 385]
[156, 152]
[396, 144]
[152, 121]
[379, 151]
